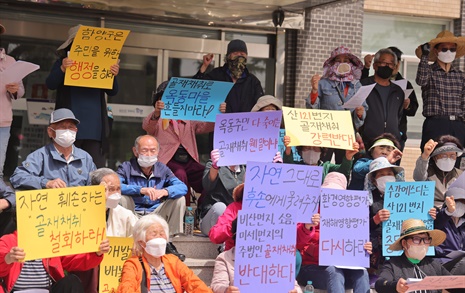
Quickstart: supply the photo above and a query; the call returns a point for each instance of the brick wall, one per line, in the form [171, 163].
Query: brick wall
[326, 27]
[429, 8]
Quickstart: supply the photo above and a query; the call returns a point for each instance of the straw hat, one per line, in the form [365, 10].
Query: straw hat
[413, 227]
[444, 37]
[382, 163]
[71, 34]
[265, 101]
[2, 29]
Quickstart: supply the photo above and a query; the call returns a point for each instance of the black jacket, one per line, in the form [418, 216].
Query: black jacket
[243, 95]
[376, 121]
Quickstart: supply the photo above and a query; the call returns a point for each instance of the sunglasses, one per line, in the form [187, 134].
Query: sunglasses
[448, 49]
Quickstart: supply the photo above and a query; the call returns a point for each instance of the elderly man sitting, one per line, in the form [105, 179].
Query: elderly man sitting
[59, 164]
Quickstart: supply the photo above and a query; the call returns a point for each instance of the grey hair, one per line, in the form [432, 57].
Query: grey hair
[385, 51]
[136, 142]
[96, 176]
[140, 228]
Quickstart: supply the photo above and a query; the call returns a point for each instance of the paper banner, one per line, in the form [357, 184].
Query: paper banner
[359, 97]
[437, 283]
[94, 50]
[112, 263]
[17, 71]
[63, 221]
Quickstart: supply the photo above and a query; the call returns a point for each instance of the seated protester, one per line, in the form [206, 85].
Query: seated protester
[7, 209]
[451, 220]
[312, 155]
[150, 269]
[223, 273]
[59, 164]
[178, 144]
[119, 220]
[414, 240]
[219, 183]
[330, 278]
[436, 163]
[385, 145]
[47, 274]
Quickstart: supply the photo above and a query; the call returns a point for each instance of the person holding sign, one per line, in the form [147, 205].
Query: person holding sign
[330, 278]
[7, 208]
[414, 240]
[385, 145]
[313, 155]
[59, 164]
[178, 144]
[436, 163]
[150, 269]
[8, 92]
[44, 275]
[340, 81]
[88, 104]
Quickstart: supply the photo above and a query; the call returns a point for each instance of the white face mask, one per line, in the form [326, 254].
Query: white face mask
[113, 200]
[445, 164]
[446, 57]
[64, 137]
[147, 161]
[381, 182]
[343, 68]
[459, 209]
[156, 247]
[417, 251]
[311, 157]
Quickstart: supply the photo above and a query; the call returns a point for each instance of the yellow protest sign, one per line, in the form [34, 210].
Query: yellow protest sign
[323, 128]
[63, 221]
[93, 51]
[112, 263]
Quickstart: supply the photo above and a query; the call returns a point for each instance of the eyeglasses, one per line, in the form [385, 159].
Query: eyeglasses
[392, 65]
[418, 240]
[446, 156]
[448, 49]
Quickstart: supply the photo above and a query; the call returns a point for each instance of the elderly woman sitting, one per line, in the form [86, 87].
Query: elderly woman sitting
[414, 240]
[149, 269]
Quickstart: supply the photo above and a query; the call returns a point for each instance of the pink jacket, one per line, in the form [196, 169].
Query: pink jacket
[6, 113]
[170, 141]
[221, 232]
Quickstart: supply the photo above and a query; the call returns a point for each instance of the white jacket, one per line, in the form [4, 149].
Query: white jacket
[120, 222]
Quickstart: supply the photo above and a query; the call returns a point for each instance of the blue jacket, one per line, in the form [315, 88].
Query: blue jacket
[47, 164]
[359, 171]
[455, 236]
[133, 180]
[7, 193]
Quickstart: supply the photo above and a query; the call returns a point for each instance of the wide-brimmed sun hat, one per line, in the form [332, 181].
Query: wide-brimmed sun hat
[444, 37]
[382, 163]
[267, 100]
[412, 227]
[71, 35]
[341, 50]
[446, 148]
[335, 180]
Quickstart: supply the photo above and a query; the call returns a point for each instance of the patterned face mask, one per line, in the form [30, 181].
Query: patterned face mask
[237, 65]
[342, 72]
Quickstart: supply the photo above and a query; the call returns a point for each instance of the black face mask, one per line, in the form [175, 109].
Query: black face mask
[384, 72]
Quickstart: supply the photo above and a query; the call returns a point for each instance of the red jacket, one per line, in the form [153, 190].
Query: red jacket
[221, 232]
[54, 266]
[308, 242]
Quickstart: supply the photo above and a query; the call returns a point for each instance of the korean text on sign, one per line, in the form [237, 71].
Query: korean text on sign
[93, 51]
[251, 136]
[193, 99]
[64, 221]
[323, 128]
[265, 251]
[406, 200]
[112, 264]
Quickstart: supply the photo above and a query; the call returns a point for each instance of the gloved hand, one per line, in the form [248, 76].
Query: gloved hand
[215, 157]
[277, 158]
[425, 49]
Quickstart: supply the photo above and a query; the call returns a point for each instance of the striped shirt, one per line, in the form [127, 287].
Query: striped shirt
[32, 276]
[443, 92]
[159, 282]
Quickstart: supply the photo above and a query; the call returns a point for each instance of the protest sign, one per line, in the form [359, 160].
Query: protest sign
[194, 99]
[323, 128]
[344, 228]
[94, 50]
[63, 221]
[406, 200]
[289, 187]
[265, 251]
[437, 283]
[112, 263]
[251, 136]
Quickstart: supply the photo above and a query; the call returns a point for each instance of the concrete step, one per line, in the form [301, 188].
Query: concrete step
[203, 268]
[196, 247]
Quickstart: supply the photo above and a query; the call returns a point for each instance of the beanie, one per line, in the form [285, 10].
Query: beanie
[236, 46]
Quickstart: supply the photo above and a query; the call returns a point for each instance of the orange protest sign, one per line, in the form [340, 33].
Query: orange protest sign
[93, 51]
[63, 221]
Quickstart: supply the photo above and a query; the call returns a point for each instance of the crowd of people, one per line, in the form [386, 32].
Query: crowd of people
[146, 197]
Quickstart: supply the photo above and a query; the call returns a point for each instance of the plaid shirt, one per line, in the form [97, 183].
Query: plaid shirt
[443, 92]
